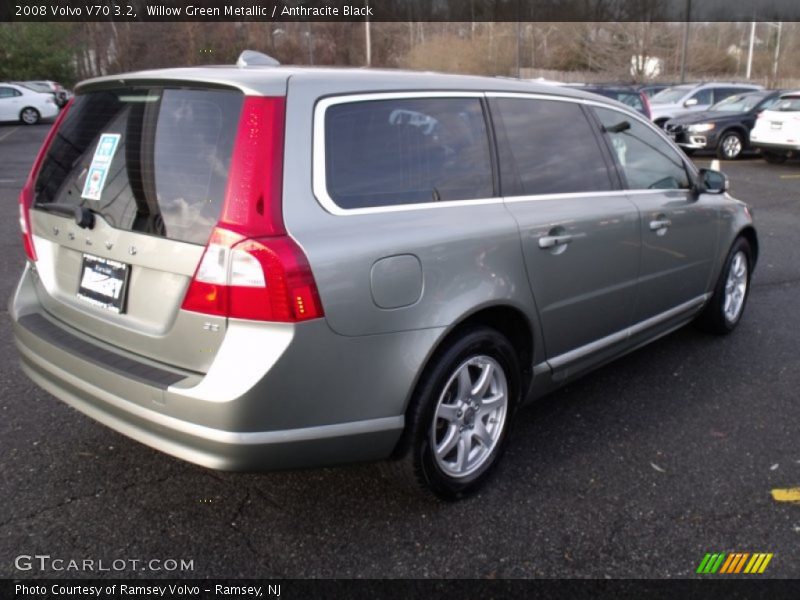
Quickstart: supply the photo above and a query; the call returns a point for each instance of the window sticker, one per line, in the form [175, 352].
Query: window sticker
[101, 162]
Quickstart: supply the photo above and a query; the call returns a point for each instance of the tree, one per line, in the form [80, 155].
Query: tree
[37, 51]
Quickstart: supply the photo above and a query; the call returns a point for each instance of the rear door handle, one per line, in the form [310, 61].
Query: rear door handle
[659, 224]
[550, 241]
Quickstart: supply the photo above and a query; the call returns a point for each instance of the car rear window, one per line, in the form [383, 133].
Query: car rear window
[788, 104]
[151, 160]
[406, 151]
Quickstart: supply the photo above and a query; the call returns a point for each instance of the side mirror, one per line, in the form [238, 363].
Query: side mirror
[690, 102]
[713, 182]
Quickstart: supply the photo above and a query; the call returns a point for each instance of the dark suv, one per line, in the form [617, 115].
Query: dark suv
[725, 127]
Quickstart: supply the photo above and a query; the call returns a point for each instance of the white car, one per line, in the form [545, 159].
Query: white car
[58, 91]
[18, 103]
[777, 130]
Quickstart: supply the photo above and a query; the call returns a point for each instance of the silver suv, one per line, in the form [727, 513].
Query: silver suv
[681, 99]
[266, 267]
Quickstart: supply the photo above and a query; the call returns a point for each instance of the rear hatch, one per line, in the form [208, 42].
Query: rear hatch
[781, 122]
[127, 196]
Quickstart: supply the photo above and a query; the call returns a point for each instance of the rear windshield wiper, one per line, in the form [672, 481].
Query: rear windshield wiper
[84, 216]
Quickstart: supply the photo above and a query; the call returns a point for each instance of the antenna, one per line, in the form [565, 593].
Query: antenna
[251, 58]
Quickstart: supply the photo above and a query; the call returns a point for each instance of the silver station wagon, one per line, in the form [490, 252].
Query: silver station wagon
[263, 267]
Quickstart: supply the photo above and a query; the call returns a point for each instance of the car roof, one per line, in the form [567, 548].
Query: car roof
[762, 93]
[272, 80]
[19, 87]
[692, 86]
[612, 88]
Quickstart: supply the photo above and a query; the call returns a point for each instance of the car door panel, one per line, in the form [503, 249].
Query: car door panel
[679, 229]
[7, 104]
[677, 258]
[579, 235]
[591, 272]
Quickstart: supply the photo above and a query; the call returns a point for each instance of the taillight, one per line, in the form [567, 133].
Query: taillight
[251, 268]
[264, 279]
[26, 195]
[646, 102]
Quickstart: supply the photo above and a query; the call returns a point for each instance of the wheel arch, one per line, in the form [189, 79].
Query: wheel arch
[738, 128]
[509, 321]
[749, 233]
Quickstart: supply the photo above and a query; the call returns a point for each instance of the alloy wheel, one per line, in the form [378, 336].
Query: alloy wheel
[470, 416]
[735, 287]
[731, 146]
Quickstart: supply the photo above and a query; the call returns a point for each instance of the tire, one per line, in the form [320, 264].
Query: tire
[774, 158]
[689, 151]
[29, 116]
[730, 146]
[726, 307]
[470, 432]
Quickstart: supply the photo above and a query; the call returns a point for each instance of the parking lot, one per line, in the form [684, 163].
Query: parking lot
[637, 470]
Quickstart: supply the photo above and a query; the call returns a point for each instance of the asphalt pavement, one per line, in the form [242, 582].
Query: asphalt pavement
[637, 470]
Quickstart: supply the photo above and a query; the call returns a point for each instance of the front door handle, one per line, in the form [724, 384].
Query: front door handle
[657, 224]
[550, 241]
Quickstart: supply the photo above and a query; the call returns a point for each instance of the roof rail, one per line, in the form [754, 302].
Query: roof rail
[251, 58]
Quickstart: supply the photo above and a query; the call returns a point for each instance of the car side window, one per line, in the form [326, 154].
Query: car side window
[768, 103]
[704, 97]
[548, 148]
[634, 100]
[407, 151]
[7, 92]
[722, 93]
[645, 158]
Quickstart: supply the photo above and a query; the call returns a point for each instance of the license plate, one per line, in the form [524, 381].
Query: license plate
[776, 124]
[104, 283]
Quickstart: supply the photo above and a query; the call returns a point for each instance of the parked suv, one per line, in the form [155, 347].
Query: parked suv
[725, 127]
[777, 130]
[266, 267]
[680, 99]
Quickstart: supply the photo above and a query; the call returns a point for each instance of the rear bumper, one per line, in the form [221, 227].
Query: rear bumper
[777, 146]
[217, 448]
[286, 419]
[49, 111]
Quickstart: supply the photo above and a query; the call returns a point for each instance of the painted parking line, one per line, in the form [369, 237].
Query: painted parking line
[7, 133]
[790, 176]
[786, 495]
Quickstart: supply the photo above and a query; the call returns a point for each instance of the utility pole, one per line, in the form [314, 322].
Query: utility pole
[686, 39]
[368, 38]
[750, 51]
[777, 52]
